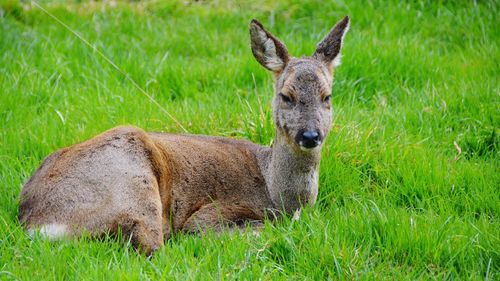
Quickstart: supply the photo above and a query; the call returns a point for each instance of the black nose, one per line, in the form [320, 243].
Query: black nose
[310, 139]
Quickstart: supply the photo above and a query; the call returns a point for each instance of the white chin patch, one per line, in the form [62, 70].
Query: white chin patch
[52, 231]
[303, 148]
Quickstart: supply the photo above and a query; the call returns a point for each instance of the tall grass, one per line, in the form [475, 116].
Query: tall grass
[409, 184]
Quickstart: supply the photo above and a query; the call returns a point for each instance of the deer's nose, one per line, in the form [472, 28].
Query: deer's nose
[309, 139]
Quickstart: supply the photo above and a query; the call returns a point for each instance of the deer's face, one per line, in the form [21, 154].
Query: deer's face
[302, 105]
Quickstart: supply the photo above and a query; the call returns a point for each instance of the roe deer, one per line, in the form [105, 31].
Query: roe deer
[152, 184]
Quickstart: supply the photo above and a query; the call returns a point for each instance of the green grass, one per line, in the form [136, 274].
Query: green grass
[419, 82]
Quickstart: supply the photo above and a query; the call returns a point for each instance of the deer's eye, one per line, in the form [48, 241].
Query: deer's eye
[284, 98]
[327, 98]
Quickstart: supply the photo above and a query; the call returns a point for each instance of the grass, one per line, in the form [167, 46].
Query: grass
[409, 185]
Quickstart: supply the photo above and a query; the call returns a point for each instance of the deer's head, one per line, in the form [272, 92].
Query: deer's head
[302, 109]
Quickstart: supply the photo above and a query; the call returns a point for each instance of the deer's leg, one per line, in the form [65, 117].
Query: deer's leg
[144, 234]
[137, 215]
[135, 209]
[142, 220]
[218, 216]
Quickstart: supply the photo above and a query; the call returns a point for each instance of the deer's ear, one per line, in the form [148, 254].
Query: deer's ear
[267, 49]
[328, 50]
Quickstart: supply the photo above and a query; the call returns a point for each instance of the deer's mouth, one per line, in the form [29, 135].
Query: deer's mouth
[309, 139]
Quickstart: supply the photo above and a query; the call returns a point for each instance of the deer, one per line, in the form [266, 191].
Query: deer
[150, 185]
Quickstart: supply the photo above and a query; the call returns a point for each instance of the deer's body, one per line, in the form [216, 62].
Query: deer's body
[153, 184]
[148, 182]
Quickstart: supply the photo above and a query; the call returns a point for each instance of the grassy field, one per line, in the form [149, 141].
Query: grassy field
[410, 182]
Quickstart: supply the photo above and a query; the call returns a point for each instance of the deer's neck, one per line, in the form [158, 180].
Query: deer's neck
[292, 175]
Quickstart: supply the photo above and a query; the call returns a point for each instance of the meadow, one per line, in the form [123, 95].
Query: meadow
[409, 181]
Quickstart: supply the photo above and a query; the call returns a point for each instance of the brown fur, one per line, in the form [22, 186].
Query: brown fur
[153, 184]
